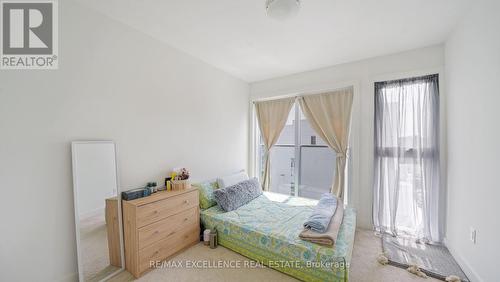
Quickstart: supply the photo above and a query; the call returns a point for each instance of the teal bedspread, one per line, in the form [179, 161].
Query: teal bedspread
[267, 230]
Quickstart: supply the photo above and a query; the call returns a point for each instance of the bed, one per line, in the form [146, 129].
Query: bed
[266, 230]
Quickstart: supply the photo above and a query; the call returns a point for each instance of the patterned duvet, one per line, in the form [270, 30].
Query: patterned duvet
[267, 229]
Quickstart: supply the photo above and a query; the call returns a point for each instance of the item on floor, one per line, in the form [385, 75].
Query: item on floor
[233, 197]
[452, 278]
[329, 237]
[433, 260]
[382, 259]
[322, 214]
[98, 231]
[133, 194]
[213, 239]
[413, 269]
[206, 237]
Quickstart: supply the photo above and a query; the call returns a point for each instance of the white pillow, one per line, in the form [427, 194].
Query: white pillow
[230, 180]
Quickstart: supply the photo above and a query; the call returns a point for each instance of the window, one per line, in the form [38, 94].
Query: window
[407, 197]
[301, 163]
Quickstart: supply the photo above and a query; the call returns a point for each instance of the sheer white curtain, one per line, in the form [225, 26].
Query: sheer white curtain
[407, 197]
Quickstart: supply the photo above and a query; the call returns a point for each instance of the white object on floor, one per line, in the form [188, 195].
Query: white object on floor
[452, 278]
[416, 270]
[382, 259]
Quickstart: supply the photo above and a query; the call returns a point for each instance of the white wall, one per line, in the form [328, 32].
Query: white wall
[163, 108]
[362, 75]
[473, 76]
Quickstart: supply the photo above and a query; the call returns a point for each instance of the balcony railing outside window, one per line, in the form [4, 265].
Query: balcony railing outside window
[301, 163]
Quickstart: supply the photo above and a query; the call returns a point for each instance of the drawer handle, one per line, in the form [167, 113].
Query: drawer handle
[156, 232]
[186, 219]
[171, 233]
[155, 212]
[186, 202]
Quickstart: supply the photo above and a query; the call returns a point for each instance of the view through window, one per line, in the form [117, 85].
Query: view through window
[302, 164]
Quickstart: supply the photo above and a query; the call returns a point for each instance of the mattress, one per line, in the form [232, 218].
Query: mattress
[267, 231]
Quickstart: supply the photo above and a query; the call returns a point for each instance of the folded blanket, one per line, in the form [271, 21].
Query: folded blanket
[330, 236]
[322, 214]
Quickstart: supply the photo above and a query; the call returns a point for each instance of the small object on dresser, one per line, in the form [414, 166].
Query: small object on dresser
[168, 183]
[179, 179]
[179, 185]
[152, 187]
[206, 237]
[133, 194]
[213, 239]
[146, 191]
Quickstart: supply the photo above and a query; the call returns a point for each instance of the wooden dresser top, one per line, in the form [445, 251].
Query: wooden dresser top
[158, 196]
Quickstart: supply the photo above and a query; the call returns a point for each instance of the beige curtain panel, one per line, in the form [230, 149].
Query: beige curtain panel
[272, 116]
[330, 116]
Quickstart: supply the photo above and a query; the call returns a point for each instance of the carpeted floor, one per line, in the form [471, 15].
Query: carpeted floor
[364, 267]
[94, 247]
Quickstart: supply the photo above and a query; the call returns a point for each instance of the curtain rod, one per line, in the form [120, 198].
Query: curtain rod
[298, 95]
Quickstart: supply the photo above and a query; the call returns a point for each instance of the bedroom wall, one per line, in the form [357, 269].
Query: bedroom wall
[472, 75]
[362, 75]
[162, 107]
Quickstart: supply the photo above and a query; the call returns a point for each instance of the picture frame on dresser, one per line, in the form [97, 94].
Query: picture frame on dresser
[98, 212]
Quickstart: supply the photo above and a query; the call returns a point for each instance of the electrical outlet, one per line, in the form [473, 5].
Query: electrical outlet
[473, 235]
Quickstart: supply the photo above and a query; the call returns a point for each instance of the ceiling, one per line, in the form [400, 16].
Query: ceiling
[237, 36]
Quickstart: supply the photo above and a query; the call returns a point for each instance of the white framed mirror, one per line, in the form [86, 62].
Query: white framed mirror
[98, 220]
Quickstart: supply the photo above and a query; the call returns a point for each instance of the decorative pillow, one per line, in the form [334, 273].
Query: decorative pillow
[206, 192]
[230, 180]
[233, 197]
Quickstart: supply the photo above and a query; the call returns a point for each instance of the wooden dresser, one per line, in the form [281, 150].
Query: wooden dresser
[159, 226]
[113, 232]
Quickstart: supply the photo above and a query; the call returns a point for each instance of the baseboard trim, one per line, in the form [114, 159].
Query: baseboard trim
[469, 271]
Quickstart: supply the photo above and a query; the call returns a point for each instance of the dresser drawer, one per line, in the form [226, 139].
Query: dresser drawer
[166, 247]
[153, 212]
[166, 227]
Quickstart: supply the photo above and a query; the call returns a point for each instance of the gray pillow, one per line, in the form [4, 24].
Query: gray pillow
[233, 197]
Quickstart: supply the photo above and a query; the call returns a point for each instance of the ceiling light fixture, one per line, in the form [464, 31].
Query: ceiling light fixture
[282, 9]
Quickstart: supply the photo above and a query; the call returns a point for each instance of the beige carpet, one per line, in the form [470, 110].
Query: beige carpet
[94, 248]
[364, 266]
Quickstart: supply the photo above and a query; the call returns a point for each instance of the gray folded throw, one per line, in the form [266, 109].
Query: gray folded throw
[322, 214]
[330, 236]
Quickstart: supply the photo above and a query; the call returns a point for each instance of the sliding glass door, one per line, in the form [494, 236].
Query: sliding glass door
[301, 163]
